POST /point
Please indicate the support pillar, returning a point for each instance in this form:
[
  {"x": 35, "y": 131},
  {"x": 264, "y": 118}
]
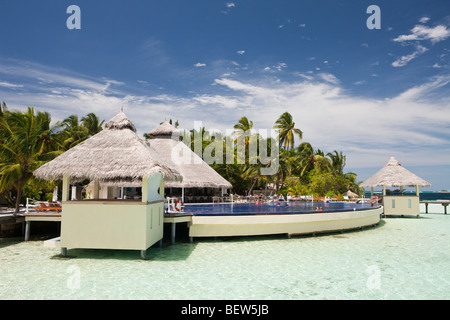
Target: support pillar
[
  {"x": 55, "y": 194},
  {"x": 64, "y": 252},
  {"x": 172, "y": 237},
  {"x": 161, "y": 188},
  {"x": 96, "y": 189},
  {"x": 182, "y": 194},
  {"x": 65, "y": 188},
  {"x": 144, "y": 254},
  {"x": 27, "y": 230}
]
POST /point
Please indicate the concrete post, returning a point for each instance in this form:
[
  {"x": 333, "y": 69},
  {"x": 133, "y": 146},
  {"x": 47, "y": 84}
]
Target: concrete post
[{"x": 65, "y": 188}]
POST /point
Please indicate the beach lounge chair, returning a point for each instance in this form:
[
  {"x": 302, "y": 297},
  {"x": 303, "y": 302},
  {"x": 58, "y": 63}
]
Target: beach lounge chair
[{"x": 44, "y": 207}]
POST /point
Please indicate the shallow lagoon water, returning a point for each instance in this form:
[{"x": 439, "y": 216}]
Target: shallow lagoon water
[{"x": 401, "y": 258}]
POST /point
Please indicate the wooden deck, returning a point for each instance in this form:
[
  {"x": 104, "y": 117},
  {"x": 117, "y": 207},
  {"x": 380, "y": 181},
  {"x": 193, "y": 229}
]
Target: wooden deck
[
  {"x": 10, "y": 218},
  {"x": 444, "y": 203},
  {"x": 36, "y": 216},
  {"x": 175, "y": 218}
]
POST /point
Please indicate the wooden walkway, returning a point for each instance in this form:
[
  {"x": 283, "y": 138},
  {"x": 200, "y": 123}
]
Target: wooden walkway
[
  {"x": 34, "y": 216},
  {"x": 444, "y": 203},
  {"x": 175, "y": 218},
  {"x": 10, "y": 218}
]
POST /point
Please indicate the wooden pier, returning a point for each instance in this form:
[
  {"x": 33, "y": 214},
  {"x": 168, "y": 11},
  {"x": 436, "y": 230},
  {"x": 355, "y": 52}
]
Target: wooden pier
[
  {"x": 27, "y": 218},
  {"x": 30, "y": 217},
  {"x": 444, "y": 203},
  {"x": 175, "y": 218}
]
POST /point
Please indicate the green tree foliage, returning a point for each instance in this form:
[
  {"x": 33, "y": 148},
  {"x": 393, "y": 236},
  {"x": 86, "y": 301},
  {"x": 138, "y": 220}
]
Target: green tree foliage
[
  {"x": 287, "y": 131},
  {"x": 28, "y": 140},
  {"x": 302, "y": 170}
]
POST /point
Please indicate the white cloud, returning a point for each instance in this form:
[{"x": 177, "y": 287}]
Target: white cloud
[
  {"x": 44, "y": 75},
  {"x": 278, "y": 67},
  {"x": 231, "y": 5},
  {"x": 10, "y": 85},
  {"x": 199, "y": 64},
  {"x": 241, "y": 52},
  {"x": 328, "y": 77},
  {"x": 421, "y": 32},
  {"x": 424, "y": 19},
  {"x": 404, "y": 60},
  {"x": 367, "y": 130}
]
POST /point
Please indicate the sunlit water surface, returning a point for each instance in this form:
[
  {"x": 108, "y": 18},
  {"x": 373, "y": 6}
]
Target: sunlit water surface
[{"x": 401, "y": 258}]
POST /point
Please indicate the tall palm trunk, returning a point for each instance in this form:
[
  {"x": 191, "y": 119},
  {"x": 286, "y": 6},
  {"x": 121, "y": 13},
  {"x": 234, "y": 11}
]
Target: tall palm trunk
[{"x": 19, "y": 194}]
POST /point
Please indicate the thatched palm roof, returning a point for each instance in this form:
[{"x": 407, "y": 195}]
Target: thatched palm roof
[
  {"x": 350, "y": 193},
  {"x": 164, "y": 130},
  {"x": 196, "y": 172},
  {"x": 114, "y": 154},
  {"x": 394, "y": 175}
]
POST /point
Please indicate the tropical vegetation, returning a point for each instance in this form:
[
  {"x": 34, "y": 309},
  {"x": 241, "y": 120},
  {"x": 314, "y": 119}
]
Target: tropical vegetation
[
  {"x": 28, "y": 139},
  {"x": 302, "y": 169}
]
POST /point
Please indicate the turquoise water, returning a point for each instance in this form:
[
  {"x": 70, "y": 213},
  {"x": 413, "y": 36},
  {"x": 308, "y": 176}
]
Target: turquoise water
[{"x": 402, "y": 258}]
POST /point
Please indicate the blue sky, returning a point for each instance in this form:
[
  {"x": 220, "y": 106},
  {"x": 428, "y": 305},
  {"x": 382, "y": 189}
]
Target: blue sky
[{"x": 370, "y": 93}]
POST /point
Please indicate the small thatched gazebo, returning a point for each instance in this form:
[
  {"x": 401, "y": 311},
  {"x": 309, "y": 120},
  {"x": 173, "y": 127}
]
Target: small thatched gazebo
[
  {"x": 350, "y": 194},
  {"x": 393, "y": 174},
  {"x": 114, "y": 155},
  {"x": 195, "y": 171}
]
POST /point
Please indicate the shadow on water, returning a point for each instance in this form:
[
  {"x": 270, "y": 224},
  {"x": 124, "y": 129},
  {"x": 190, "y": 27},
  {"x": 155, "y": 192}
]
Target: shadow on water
[
  {"x": 5, "y": 242},
  {"x": 168, "y": 252},
  {"x": 181, "y": 250}
]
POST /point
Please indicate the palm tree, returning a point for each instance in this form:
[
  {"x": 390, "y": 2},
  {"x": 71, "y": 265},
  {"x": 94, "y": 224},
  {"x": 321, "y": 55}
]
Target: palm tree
[
  {"x": 321, "y": 162},
  {"x": 287, "y": 131},
  {"x": 92, "y": 123},
  {"x": 23, "y": 148},
  {"x": 242, "y": 128},
  {"x": 3, "y": 108},
  {"x": 72, "y": 132},
  {"x": 306, "y": 157},
  {"x": 337, "y": 162},
  {"x": 176, "y": 124},
  {"x": 242, "y": 132}
]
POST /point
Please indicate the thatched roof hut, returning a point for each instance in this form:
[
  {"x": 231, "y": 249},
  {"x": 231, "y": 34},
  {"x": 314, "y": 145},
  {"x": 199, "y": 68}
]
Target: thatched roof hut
[
  {"x": 164, "y": 131},
  {"x": 112, "y": 155},
  {"x": 196, "y": 172},
  {"x": 350, "y": 194},
  {"x": 394, "y": 175}
]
